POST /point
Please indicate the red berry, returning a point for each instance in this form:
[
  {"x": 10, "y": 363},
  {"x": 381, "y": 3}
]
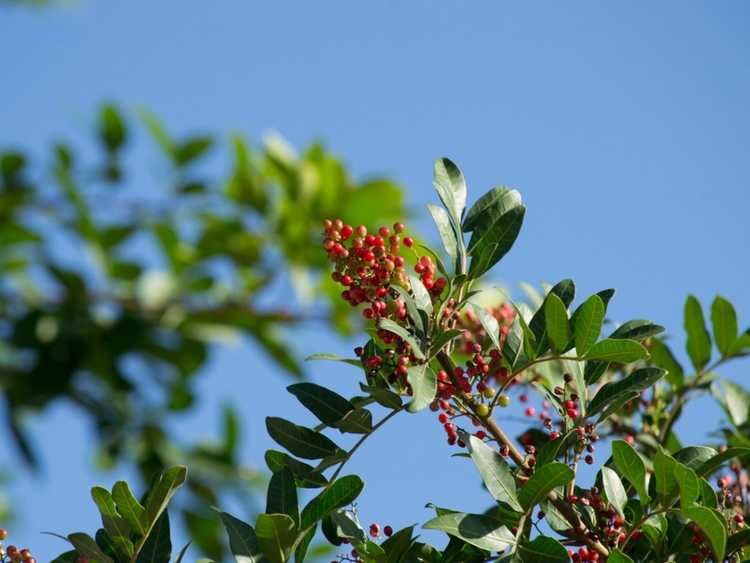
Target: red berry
[
  {"x": 408, "y": 242},
  {"x": 554, "y": 435},
  {"x": 374, "y": 530},
  {"x": 739, "y": 518},
  {"x": 443, "y": 418},
  {"x": 346, "y": 231},
  {"x": 388, "y": 531},
  {"x": 523, "y": 398},
  {"x": 3, "y": 534},
  {"x": 530, "y": 411}
]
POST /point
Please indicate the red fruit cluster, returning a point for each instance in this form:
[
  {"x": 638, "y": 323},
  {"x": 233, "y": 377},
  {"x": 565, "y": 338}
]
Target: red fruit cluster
[{"x": 13, "y": 554}]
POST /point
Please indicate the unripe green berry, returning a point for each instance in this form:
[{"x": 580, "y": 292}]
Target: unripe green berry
[
  {"x": 489, "y": 392},
  {"x": 503, "y": 401},
  {"x": 482, "y": 410}
]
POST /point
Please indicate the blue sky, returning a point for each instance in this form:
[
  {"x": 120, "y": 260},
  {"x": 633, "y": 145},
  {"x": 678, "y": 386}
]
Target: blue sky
[{"x": 625, "y": 126}]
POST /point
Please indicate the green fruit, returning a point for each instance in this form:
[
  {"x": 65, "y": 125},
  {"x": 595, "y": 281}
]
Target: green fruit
[
  {"x": 503, "y": 401},
  {"x": 489, "y": 392},
  {"x": 483, "y": 410}
]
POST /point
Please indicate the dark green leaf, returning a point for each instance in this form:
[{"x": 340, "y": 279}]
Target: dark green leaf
[
  {"x": 305, "y": 474},
  {"x": 112, "y": 130},
  {"x": 636, "y": 382},
  {"x": 724, "y": 321},
  {"x": 496, "y": 241},
  {"x": 342, "y": 492},
  {"x": 281, "y": 496},
  {"x": 637, "y": 330},
  {"x": 492, "y": 204},
  {"x": 300, "y": 441},
  {"x": 620, "y": 351},
  {"x": 158, "y": 546},
  {"x": 708, "y": 467},
  {"x": 129, "y": 507},
  {"x": 546, "y": 478},
  {"x": 661, "y": 356},
  {"x": 358, "y": 421},
  {"x": 114, "y": 524},
  {"x": 542, "y": 550},
  {"x": 689, "y": 485},
  {"x": 617, "y": 556},
  {"x": 328, "y": 406},
  {"x": 242, "y": 540},
  {"x": 698, "y": 340},
  {"x": 162, "y": 491},
  {"x": 85, "y": 545}
]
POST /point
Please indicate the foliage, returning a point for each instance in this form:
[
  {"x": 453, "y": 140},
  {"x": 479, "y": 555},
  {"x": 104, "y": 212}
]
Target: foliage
[
  {"x": 435, "y": 341},
  {"x": 116, "y": 285}
]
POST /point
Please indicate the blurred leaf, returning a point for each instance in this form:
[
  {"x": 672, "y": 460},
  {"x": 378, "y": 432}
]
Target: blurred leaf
[{"x": 112, "y": 132}]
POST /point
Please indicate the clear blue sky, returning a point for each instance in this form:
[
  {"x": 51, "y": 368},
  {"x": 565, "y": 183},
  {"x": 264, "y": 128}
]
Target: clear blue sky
[{"x": 624, "y": 125}]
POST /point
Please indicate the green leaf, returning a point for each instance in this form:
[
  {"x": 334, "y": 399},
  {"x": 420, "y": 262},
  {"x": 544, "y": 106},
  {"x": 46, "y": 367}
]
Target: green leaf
[
  {"x": 713, "y": 527},
  {"x": 496, "y": 241},
  {"x": 542, "y": 550},
  {"x": 242, "y": 540},
  {"x": 114, "y": 524},
  {"x": 275, "y": 534},
  {"x": 447, "y": 233},
  {"x": 158, "y": 546},
  {"x": 85, "y": 545},
  {"x": 630, "y": 465},
  {"x": 398, "y": 544},
  {"x": 405, "y": 335},
  {"x": 181, "y": 554},
  {"x": 546, "y": 478},
  {"x": 736, "y": 541},
  {"x": 358, "y": 421},
  {"x": 328, "y": 406},
  {"x": 333, "y": 358},
  {"x": 617, "y": 556},
  {"x": 422, "y": 298},
  {"x": 451, "y": 188},
  {"x": 614, "y": 489},
  {"x": 411, "y": 308},
  {"x": 587, "y": 323},
  {"x": 112, "y": 132},
  {"x": 661, "y": 356},
  {"x": 300, "y": 441},
  {"x": 481, "y": 531},
  {"x": 638, "y": 329},
  {"x": 305, "y": 475},
  {"x": 689, "y": 484},
  {"x": 423, "y": 382},
  {"x": 281, "y": 497},
  {"x": 129, "y": 507},
  {"x": 724, "y": 321},
  {"x": 636, "y": 382},
  {"x": 615, "y": 350},
  {"x": 342, "y": 492},
  {"x": 566, "y": 291},
  {"x": 494, "y": 203},
  {"x": 734, "y": 399},
  {"x": 489, "y": 323},
  {"x": 664, "y": 475},
  {"x": 556, "y": 318},
  {"x": 495, "y": 472},
  {"x": 698, "y": 340},
  {"x": 708, "y": 467},
  {"x": 694, "y": 456},
  {"x": 162, "y": 491},
  {"x": 384, "y": 397}
]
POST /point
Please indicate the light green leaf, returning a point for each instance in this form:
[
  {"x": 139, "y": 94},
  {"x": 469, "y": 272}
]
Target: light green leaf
[
  {"x": 556, "y": 318},
  {"x": 114, "y": 524},
  {"x": 422, "y": 297},
  {"x": 546, "y": 478},
  {"x": 161, "y": 493},
  {"x": 404, "y": 334},
  {"x": 734, "y": 399},
  {"x": 129, "y": 507},
  {"x": 446, "y": 230},
  {"x": 450, "y": 186},
  {"x": 423, "y": 382},
  {"x": 85, "y": 545},
  {"x": 333, "y": 358},
  {"x": 631, "y": 467},
  {"x": 689, "y": 484},
  {"x": 661, "y": 356},
  {"x": 708, "y": 467},
  {"x": 494, "y": 203},
  {"x": 617, "y": 556},
  {"x": 664, "y": 474},
  {"x": 481, "y": 531},
  {"x": 489, "y": 323},
  {"x": 698, "y": 340},
  {"x": 275, "y": 534},
  {"x": 614, "y": 489},
  {"x": 495, "y": 472},
  {"x": 615, "y": 350},
  {"x": 587, "y": 323},
  {"x": 724, "y": 321}
]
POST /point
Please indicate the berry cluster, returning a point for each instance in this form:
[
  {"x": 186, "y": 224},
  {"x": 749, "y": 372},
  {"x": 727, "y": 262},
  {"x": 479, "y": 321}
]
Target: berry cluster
[{"x": 13, "y": 554}]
